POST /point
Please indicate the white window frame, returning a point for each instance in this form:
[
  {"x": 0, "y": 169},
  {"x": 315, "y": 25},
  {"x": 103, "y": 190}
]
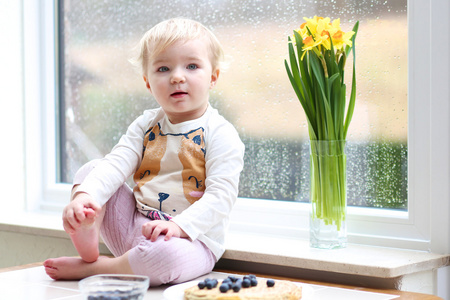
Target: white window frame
[
  {"x": 424, "y": 227},
  {"x": 40, "y": 46}
]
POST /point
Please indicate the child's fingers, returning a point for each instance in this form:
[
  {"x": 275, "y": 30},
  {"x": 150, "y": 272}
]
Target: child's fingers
[
  {"x": 79, "y": 215},
  {"x": 90, "y": 216},
  {"x": 157, "y": 230},
  {"x": 87, "y": 201},
  {"x": 76, "y": 215},
  {"x": 69, "y": 223},
  {"x": 89, "y": 212},
  {"x": 169, "y": 235},
  {"x": 68, "y": 228},
  {"x": 147, "y": 230},
  {"x": 151, "y": 230},
  {"x": 95, "y": 207},
  {"x": 69, "y": 218}
]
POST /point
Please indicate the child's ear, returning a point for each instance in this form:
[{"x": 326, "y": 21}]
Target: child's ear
[
  {"x": 147, "y": 84},
  {"x": 214, "y": 77}
]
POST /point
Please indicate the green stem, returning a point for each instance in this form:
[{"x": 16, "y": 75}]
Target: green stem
[{"x": 328, "y": 181}]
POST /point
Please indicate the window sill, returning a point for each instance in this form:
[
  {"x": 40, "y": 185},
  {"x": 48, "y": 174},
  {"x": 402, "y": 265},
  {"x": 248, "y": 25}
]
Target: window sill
[
  {"x": 378, "y": 267},
  {"x": 361, "y": 260}
]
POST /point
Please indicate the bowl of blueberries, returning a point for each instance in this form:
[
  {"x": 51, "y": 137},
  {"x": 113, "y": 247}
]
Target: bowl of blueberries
[{"x": 114, "y": 287}]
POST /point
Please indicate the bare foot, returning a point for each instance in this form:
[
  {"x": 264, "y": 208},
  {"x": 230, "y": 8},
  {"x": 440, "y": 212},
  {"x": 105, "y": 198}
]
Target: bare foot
[
  {"x": 69, "y": 268},
  {"x": 74, "y": 268},
  {"x": 85, "y": 240},
  {"x": 82, "y": 219}
]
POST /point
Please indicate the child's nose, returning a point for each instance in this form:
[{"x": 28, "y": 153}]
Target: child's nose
[{"x": 178, "y": 76}]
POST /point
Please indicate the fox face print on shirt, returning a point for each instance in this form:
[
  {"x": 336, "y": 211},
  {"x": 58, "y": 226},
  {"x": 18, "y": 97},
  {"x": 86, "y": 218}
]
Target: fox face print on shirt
[{"x": 172, "y": 174}]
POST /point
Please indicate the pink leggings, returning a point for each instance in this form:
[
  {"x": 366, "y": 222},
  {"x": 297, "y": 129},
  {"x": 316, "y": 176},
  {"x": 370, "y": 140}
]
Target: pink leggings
[{"x": 173, "y": 261}]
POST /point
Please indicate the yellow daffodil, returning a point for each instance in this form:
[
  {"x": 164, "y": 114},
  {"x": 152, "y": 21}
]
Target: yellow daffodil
[
  {"x": 303, "y": 31},
  {"x": 309, "y": 44},
  {"x": 340, "y": 39},
  {"x": 311, "y": 24},
  {"x": 318, "y": 32}
]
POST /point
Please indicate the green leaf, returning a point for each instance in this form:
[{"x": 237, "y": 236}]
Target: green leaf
[
  {"x": 323, "y": 100},
  {"x": 303, "y": 63},
  {"x": 309, "y": 114},
  {"x": 336, "y": 100},
  {"x": 333, "y": 66},
  {"x": 294, "y": 64},
  {"x": 294, "y": 84},
  {"x": 333, "y": 78},
  {"x": 351, "y": 104},
  {"x": 355, "y": 30},
  {"x": 341, "y": 112}
]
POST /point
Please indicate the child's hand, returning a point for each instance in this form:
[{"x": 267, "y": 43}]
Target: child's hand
[
  {"x": 81, "y": 211},
  {"x": 151, "y": 230}
]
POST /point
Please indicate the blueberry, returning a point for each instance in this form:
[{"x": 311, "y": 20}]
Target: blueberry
[
  {"x": 246, "y": 283},
  {"x": 230, "y": 284},
  {"x": 236, "y": 287},
  {"x": 254, "y": 282},
  {"x": 270, "y": 282},
  {"x": 211, "y": 283},
  {"x": 215, "y": 282},
  {"x": 224, "y": 288},
  {"x": 201, "y": 285}
]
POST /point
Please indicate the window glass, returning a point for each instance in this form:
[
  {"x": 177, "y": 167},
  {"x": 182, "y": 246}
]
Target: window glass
[{"x": 101, "y": 93}]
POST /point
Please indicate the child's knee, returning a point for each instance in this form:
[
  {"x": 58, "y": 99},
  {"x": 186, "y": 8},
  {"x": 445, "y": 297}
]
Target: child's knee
[{"x": 160, "y": 261}]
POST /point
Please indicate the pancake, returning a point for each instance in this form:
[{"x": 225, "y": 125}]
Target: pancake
[{"x": 281, "y": 290}]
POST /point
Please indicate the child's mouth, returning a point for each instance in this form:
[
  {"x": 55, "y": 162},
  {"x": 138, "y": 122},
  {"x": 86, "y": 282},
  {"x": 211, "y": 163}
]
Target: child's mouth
[{"x": 178, "y": 94}]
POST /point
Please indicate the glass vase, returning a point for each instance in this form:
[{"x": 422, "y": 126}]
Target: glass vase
[{"x": 328, "y": 192}]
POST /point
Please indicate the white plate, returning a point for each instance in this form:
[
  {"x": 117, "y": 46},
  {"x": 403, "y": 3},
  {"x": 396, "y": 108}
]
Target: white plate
[{"x": 176, "y": 292}]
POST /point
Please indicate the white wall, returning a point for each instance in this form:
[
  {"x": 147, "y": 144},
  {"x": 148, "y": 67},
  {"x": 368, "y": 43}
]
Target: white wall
[
  {"x": 21, "y": 248},
  {"x": 11, "y": 99},
  {"x": 23, "y": 245}
]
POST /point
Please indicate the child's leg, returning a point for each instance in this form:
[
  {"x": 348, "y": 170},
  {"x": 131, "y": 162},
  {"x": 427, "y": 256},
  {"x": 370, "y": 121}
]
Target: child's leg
[
  {"x": 176, "y": 260},
  {"x": 85, "y": 239},
  {"x": 120, "y": 206},
  {"x": 73, "y": 268},
  {"x": 173, "y": 261}
]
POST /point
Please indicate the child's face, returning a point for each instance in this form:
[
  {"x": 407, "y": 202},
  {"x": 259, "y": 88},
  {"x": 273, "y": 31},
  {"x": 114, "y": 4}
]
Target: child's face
[{"x": 180, "y": 78}]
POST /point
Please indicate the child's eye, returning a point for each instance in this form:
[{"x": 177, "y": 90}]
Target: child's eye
[
  {"x": 163, "y": 69},
  {"x": 192, "y": 67}
]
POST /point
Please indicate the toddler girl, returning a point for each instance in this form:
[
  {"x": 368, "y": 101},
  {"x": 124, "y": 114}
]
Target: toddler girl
[{"x": 186, "y": 160}]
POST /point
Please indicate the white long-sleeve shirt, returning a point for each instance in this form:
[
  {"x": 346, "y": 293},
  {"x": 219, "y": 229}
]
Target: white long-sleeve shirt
[{"x": 189, "y": 171}]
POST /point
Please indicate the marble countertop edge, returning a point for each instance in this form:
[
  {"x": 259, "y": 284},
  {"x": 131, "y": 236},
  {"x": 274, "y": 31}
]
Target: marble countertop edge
[{"x": 355, "y": 259}]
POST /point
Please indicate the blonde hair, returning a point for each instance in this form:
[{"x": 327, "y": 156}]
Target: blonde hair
[{"x": 168, "y": 32}]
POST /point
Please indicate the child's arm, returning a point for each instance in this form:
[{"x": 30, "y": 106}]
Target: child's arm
[
  {"x": 81, "y": 211},
  {"x": 116, "y": 167},
  {"x": 224, "y": 163}
]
